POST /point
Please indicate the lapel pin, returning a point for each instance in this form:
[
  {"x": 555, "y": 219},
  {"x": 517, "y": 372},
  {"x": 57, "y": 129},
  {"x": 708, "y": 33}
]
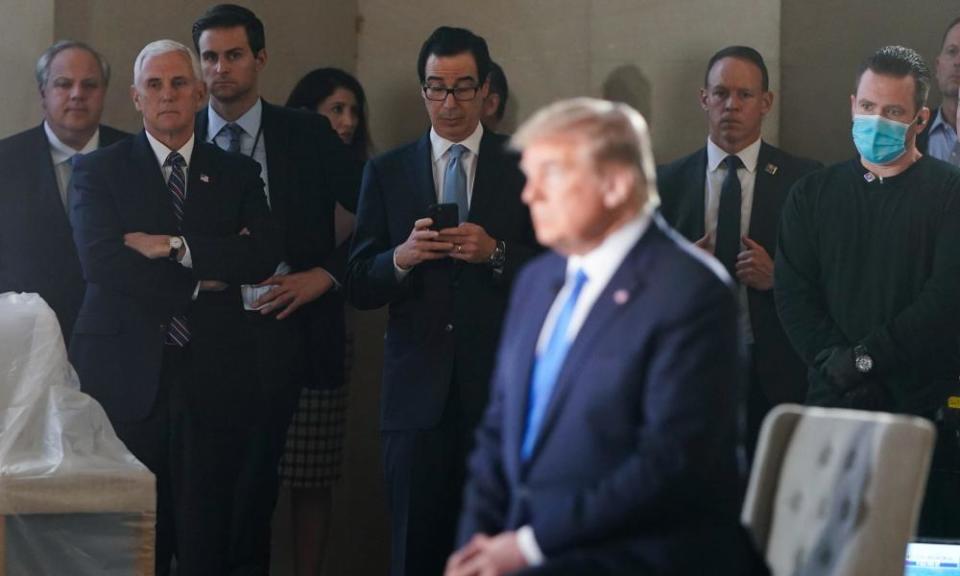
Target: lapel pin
[
  {"x": 205, "y": 178},
  {"x": 771, "y": 169},
  {"x": 869, "y": 177},
  {"x": 621, "y": 296}
]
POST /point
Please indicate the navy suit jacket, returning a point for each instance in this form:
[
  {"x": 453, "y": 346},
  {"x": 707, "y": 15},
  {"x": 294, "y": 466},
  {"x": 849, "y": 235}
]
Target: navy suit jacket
[
  {"x": 309, "y": 171},
  {"x": 118, "y": 340},
  {"x": 37, "y": 253},
  {"x": 635, "y": 457},
  {"x": 445, "y": 316},
  {"x": 682, "y": 185}
]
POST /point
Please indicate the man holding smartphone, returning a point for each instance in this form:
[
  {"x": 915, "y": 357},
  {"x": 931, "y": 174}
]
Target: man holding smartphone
[{"x": 446, "y": 288}]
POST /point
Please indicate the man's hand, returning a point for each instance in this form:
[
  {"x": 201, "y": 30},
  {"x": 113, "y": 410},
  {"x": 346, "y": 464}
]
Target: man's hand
[
  {"x": 705, "y": 243},
  {"x": 212, "y": 286},
  {"x": 422, "y": 245},
  {"x": 291, "y": 291},
  {"x": 471, "y": 243},
  {"x": 487, "y": 556},
  {"x": 754, "y": 266},
  {"x": 153, "y": 246}
]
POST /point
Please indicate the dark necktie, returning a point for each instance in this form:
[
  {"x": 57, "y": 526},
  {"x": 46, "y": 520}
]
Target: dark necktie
[
  {"x": 177, "y": 332},
  {"x": 236, "y": 133},
  {"x": 547, "y": 366},
  {"x": 455, "y": 181},
  {"x": 728, "y": 218}
]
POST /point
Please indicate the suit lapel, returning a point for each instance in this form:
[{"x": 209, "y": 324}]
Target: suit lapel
[
  {"x": 201, "y": 175},
  {"x": 422, "y": 175},
  {"x": 278, "y": 151},
  {"x": 156, "y": 195},
  {"x": 763, "y": 214},
  {"x": 47, "y": 191},
  {"x": 626, "y": 283},
  {"x": 698, "y": 183},
  {"x": 484, "y": 178}
]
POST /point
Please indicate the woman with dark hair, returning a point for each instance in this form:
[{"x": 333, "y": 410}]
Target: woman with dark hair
[{"x": 312, "y": 462}]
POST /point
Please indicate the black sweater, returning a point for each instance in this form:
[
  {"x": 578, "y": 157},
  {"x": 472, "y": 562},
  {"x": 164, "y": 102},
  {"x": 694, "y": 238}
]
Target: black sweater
[{"x": 871, "y": 261}]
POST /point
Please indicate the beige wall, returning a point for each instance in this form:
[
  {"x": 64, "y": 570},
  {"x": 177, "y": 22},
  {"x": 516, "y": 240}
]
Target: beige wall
[
  {"x": 300, "y": 36},
  {"x": 650, "y": 53},
  {"x": 26, "y": 30},
  {"x": 823, "y": 44}
]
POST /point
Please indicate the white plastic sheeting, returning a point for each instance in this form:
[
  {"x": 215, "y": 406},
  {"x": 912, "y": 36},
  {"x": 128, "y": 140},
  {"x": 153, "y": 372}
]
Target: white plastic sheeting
[{"x": 73, "y": 500}]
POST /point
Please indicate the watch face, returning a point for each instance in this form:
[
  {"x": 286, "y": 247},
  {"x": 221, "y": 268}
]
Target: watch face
[
  {"x": 864, "y": 363},
  {"x": 176, "y": 243}
]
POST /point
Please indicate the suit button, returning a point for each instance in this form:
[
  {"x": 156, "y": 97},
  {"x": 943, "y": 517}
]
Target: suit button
[{"x": 448, "y": 328}]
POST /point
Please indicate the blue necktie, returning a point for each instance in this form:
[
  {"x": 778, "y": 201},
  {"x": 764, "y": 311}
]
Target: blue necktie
[
  {"x": 177, "y": 332},
  {"x": 547, "y": 367},
  {"x": 455, "y": 181}
]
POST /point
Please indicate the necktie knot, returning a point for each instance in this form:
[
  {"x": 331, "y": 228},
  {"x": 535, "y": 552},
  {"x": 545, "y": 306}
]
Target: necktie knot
[
  {"x": 456, "y": 151},
  {"x": 176, "y": 160},
  {"x": 733, "y": 162}
]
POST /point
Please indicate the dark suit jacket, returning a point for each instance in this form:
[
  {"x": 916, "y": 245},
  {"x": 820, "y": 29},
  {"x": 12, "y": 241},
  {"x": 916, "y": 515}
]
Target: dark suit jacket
[
  {"x": 635, "y": 457},
  {"x": 923, "y": 137},
  {"x": 119, "y": 334},
  {"x": 309, "y": 170},
  {"x": 781, "y": 373},
  {"x": 444, "y": 317},
  {"x": 36, "y": 245}
]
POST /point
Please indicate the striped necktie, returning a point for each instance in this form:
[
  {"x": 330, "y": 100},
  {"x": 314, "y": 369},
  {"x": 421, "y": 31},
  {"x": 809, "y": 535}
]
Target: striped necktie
[{"x": 177, "y": 332}]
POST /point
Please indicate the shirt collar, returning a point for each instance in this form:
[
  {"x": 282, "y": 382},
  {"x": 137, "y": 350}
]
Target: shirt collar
[
  {"x": 600, "y": 263},
  {"x": 939, "y": 123},
  {"x": 249, "y": 121},
  {"x": 61, "y": 152},
  {"x": 440, "y": 145},
  {"x": 161, "y": 151},
  {"x": 749, "y": 155}
]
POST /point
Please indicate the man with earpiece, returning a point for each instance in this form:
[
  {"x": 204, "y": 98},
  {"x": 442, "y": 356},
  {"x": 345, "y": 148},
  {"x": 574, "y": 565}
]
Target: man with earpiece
[{"x": 867, "y": 272}]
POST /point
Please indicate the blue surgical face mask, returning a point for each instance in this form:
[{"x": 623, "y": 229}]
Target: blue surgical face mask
[{"x": 879, "y": 140}]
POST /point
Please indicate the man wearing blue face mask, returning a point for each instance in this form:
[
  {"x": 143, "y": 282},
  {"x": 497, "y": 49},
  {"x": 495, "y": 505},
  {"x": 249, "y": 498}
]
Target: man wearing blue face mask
[{"x": 867, "y": 274}]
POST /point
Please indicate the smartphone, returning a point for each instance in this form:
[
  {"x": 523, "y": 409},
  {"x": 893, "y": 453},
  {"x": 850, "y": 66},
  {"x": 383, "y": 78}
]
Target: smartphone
[{"x": 443, "y": 215}]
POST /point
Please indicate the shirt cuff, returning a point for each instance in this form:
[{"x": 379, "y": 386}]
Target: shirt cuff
[
  {"x": 528, "y": 546},
  {"x": 400, "y": 273},
  {"x": 196, "y": 291},
  {"x": 336, "y": 283},
  {"x": 187, "y": 260}
]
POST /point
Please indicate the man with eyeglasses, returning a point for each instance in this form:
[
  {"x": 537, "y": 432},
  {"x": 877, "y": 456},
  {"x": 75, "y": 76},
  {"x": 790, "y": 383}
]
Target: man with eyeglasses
[{"x": 446, "y": 291}]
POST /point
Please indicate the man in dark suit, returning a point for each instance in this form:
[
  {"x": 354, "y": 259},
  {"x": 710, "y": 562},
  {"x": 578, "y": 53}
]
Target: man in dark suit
[
  {"x": 939, "y": 136},
  {"x": 167, "y": 228},
  {"x": 608, "y": 445},
  {"x": 36, "y": 246},
  {"x": 447, "y": 291},
  {"x": 740, "y": 228},
  {"x": 306, "y": 170}
]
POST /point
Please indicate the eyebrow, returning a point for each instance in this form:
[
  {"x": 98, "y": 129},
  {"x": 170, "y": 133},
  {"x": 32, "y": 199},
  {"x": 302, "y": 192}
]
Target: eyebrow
[{"x": 460, "y": 79}]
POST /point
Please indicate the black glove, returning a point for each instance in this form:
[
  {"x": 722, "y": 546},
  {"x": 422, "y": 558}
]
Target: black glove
[{"x": 838, "y": 368}]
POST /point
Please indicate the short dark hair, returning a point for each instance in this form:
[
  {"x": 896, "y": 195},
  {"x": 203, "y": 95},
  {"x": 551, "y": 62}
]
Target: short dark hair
[
  {"x": 953, "y": 23},
  {"x": 448, "y": 41},
  {"x": 741, "y": 53},
  {"x": 229, "y": 16},
  {"x": 899, "y": 61},
  {"x": 499, "y": 86},
  {"x": 318, "y": 85}
]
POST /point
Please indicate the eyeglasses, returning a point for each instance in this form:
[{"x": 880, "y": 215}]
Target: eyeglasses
[{"x": 439, "y": 93}]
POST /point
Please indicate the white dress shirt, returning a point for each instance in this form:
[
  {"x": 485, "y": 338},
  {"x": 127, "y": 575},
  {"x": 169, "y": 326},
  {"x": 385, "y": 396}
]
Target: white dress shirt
[
  {"x": 716, "y": 173},
  {"x": 62, "y": 156},
  {"x": 600, "y": 264}
]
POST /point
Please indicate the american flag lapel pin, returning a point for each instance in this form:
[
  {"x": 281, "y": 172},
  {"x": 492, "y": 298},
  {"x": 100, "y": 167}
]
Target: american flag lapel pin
[
  {"x": 771, "y": 169},
  {"x": 621, "y": 296},
  {"x": 204, "y": 178}
]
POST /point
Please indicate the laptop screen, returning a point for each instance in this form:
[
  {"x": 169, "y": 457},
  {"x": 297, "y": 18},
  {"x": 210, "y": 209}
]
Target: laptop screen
[{"x": 933, "y": 559}]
